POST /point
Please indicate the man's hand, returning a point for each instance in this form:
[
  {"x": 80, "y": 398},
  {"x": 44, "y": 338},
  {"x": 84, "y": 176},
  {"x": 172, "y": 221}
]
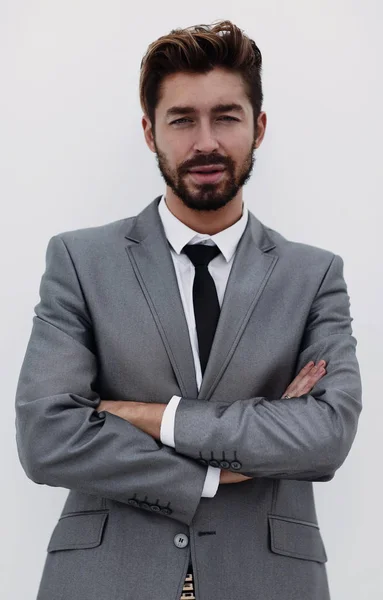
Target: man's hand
[
  {"x": 306, "y": 379},
  {"x": 230, "y": 477}
]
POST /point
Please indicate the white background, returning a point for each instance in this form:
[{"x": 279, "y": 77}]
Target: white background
[{"x": 72, "y": 154}]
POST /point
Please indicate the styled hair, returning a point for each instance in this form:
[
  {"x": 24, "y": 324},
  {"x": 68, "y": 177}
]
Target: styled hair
[{"x": 199, "y": 49}]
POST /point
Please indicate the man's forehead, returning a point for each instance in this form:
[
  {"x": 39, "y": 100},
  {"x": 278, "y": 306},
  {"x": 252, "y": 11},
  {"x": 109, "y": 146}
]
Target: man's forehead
[
  {"x": 217, "y": 80},
  {"x": 201, "y": 95},
  {"x": 213, "y": 80}
]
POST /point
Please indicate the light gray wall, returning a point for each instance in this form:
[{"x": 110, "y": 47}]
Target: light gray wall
[{"x": 72, "y": 154}]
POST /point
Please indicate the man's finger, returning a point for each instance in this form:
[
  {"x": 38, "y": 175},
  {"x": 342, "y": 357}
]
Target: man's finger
[
  {"x": 308, "y": 367},
  {"x": 305, "y": 370}
]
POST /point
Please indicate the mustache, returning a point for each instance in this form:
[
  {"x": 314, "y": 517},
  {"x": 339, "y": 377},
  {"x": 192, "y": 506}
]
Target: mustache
[{"x": 204, "y": 162}]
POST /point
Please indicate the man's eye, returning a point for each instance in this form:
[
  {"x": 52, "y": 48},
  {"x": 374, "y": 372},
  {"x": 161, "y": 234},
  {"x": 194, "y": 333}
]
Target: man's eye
[{"x": 178, "y": 121}]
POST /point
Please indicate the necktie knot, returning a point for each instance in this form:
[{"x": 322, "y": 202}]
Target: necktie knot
[{"x": 201, "y": 254}]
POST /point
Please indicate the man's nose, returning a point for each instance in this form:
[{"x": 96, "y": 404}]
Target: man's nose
[{"x": 205, "y": 139}]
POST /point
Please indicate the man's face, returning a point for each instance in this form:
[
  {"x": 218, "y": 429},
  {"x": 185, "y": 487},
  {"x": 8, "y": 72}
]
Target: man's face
[{"x": 201, "y": 135}]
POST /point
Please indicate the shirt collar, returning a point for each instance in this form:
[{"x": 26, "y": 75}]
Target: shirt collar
[{"x": 179, "y": 234}]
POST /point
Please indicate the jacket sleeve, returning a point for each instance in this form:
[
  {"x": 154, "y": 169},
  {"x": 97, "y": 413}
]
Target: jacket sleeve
[
  {"x": 306, "y": 437},
  {"x": 167, "y": 437},
  {"x": 62, "y": 441}
]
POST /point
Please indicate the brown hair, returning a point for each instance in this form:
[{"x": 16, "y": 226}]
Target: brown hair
[{"x": 199, "y": 49}]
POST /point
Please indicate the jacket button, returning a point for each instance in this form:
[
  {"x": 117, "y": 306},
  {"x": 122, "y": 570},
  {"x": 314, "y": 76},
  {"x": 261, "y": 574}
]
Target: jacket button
[
  {"x": 155, "y": 508},
  {"x": 102, "y": 414},
  {"x": 132, "y": 502},
  {"x": 224, "y": 464},
  {"x": 214, "y": 463},
  {"x": 144, "y": 505},
  {"x": 236, "y": 464},
  {"x": 166, "y": 511},
  {"x": 181, "y": 540},
  {"x": 203, "y": 461}
]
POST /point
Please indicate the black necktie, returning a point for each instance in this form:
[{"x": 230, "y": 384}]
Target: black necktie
[{"x": 205, "y": 299}]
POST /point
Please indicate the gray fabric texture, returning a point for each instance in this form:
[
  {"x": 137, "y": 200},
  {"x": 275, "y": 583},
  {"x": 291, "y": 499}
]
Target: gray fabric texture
[{"x": 110, "y": 325}]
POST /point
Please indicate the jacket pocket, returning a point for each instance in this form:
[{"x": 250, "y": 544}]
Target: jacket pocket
[
  {"x": 299, "y": 539},
  {"x": 78, "y": 530}
]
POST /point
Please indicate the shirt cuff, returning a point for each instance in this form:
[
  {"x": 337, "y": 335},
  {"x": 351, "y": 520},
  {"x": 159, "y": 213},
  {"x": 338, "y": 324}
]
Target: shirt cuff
[
  {"x": 211, "y": 482},
  {"x": 167, "y": 437},
  {"x": 167, "y": 422}
]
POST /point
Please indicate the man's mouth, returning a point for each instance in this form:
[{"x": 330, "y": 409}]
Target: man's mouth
[
  {"x": 207, "y": 168},
  {"x": 207, "y": 174}
]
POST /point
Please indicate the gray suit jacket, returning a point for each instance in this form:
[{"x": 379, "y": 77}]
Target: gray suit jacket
[{"x": 110, "y": 325}]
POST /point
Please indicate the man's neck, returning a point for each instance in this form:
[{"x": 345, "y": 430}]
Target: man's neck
[{"x": 207, "y": 221}]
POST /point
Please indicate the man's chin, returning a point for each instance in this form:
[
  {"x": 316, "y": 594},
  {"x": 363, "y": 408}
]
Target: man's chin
[{"x": 207, "y": 201}]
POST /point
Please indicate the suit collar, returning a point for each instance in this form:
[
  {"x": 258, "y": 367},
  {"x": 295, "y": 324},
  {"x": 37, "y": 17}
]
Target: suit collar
[
  {"x": 179, "y": 234},
  {"x": 149, "y": 218}
]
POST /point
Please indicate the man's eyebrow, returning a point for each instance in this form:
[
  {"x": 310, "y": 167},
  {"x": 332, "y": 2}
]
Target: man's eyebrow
[{"x": 184, "y": 110}]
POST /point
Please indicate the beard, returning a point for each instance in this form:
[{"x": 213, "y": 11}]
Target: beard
[{"x": 207, "y": 196}]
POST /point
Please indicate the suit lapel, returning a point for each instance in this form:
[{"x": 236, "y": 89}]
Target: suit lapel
[
  {"x": 151, "y": 260},
  {"x": 251, "y": 269}
]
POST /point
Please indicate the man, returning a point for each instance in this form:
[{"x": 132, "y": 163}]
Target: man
[{"x": 155, "y": 385}]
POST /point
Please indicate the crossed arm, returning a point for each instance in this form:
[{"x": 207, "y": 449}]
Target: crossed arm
[
  {"x": 63, "y": 441},
  {"x": 148, "y": 416}
]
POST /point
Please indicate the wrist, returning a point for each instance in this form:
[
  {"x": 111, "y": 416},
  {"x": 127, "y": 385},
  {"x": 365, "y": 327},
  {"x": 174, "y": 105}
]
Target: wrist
[{"x": 147, "y": 416}]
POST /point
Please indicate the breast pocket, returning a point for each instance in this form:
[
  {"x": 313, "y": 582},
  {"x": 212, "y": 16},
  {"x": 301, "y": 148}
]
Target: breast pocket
[
  {"x": 78, "y": 530},
  {"x": 299, "y": 539}
]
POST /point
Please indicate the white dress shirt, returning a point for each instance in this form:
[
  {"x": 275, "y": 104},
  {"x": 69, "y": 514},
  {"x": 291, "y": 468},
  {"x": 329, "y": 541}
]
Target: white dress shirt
[{"x": 178, "y": 235}]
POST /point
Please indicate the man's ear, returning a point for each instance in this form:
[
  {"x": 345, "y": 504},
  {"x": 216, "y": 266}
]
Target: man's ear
[
  {"x": 148, "y": 132},
  {"x": 261, "y": 128}
]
